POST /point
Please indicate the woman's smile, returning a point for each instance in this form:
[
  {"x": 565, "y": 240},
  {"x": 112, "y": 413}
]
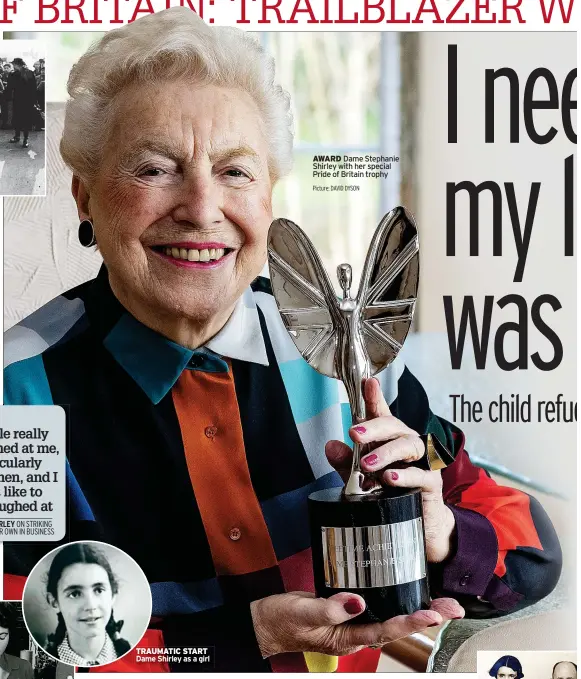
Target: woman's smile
[{"x": 195, "y": 255}]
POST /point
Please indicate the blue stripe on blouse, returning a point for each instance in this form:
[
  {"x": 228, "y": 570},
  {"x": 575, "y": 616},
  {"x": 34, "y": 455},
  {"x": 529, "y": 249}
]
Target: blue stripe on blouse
[
  {"x": 309, "y": 392},
  {"x": 80, "y": 509},
  {"x": 315, "y": 432},
  {"x": 347, "y": 423},
  {"x": 287, "y": 516},
  {"x": 185, "y": 597},
  {"x": 26, "y": 383}
]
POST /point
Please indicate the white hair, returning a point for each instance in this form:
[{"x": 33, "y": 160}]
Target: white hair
[{"x": 170, "y": 45}]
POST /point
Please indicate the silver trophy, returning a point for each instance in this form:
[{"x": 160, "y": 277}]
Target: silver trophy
[{"x": 365, "y": 537}]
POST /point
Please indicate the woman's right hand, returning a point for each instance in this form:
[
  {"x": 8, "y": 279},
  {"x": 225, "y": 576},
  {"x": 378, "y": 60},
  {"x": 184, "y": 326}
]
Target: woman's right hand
[{"x": 298, "y": 621}]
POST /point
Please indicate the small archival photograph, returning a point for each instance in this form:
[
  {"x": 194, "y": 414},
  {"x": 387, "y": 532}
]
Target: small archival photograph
[
  {"x": 20, "y": 657},
  {"x": 527, "y": 665},
  {"x": 87, "y": 603},
  {"x": 22, "y": 115}
]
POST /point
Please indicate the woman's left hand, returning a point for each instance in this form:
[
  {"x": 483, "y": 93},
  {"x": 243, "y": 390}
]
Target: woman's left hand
[{"x": 390, "y": 443}]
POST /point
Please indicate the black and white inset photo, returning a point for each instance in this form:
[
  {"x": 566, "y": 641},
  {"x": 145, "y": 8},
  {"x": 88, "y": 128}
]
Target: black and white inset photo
[
  {"x": 87, "y": 603},
  {"x": 20, "y": 657},
  {"x": 22, "y": 116}
]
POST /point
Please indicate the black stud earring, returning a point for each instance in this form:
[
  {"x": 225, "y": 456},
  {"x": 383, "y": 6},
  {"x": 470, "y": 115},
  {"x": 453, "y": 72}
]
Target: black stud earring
[{"x": 87, "y": 233}]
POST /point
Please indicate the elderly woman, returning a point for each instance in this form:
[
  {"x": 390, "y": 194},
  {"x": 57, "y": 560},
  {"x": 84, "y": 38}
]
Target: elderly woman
[{"x": 196, "y": 430}]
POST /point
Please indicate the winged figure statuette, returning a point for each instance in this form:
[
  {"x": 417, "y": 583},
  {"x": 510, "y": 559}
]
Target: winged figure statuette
[{"x": 355, "y": 337}]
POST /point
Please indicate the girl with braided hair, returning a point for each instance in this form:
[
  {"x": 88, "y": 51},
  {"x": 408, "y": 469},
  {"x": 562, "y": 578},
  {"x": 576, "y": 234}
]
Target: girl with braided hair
[{"x": 82, "y": 588}]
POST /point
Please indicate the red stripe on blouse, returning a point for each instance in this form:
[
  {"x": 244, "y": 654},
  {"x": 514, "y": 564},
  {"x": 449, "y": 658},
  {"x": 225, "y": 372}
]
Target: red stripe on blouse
[{"x": 508, "y": 510}]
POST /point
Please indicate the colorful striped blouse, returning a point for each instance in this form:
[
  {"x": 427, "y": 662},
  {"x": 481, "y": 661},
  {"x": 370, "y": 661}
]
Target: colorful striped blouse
[{"x": 199, "y": 464}]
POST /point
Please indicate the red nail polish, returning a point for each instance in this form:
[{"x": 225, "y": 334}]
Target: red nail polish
[
  {"x": 360, "y": 430},
  {"x": 370, "y": 459},
  {"x": 394, "y": 476},
  {"x": 353, "y": 606},
  {"x": 434, "y": 624}
]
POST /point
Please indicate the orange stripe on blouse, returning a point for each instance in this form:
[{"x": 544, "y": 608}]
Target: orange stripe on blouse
[{"x": 209, "y": 418}]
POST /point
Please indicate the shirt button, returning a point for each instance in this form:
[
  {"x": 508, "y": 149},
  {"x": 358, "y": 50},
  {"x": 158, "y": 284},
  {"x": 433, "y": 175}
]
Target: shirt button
[
  {"x": 196, "y": 361},
  {"x": 464, "y": 581},
  {"x": 211, "y": 431},
  {"x": 235, "y": 534}
]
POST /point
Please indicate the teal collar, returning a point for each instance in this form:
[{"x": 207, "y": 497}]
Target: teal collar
[{"x": 155, "y": 362}]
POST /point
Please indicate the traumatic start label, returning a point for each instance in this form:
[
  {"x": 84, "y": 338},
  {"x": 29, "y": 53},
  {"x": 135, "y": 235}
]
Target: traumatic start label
[{"x": 186, "y": 655}]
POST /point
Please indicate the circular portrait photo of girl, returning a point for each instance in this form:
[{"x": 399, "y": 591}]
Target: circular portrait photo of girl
[{"x": 86, "y": 603}]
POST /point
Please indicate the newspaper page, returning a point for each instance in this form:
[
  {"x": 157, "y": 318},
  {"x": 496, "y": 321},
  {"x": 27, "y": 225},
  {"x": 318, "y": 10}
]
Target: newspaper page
[{"x": 290, "y": 353}]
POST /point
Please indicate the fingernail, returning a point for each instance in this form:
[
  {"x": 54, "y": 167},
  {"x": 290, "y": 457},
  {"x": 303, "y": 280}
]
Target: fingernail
[
  {"x": 353, "y": 606},
  {"x": 434, "y": 624},
  {"x": 370, "y": 459},
  {"x": 394, "y": 476},
  {"x": 360, "y": 430},
  {"x": 458, "y": 617}
]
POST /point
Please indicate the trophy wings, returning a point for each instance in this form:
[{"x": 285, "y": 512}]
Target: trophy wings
[
  {"x": 304, "y": 295},
  {"x": 309, "y": 306},
  {"x": 389, "y": 286}
]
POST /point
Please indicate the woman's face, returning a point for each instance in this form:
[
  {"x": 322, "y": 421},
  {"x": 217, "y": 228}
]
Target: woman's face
[
  {"x": 182, "y": 202},
  {"x": 4, "y": 638},
  {"x": 85, "y": 599},
  {"x": 506, "y": 673}
]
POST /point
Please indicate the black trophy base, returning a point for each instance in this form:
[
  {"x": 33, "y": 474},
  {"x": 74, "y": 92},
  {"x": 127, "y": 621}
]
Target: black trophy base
[{"x": 371, "y": 545}]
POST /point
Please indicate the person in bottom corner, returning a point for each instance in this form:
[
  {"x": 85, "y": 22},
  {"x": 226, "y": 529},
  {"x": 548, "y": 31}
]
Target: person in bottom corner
[
  {"x": 22, "y": 90},
  {"x": 11, "y": 667},
  {"x": 564, "y": 669},
  {"x": 507, "y": 667},
  {"x": 82, "y": 588},
  {"x": 5, "y": 102}
]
